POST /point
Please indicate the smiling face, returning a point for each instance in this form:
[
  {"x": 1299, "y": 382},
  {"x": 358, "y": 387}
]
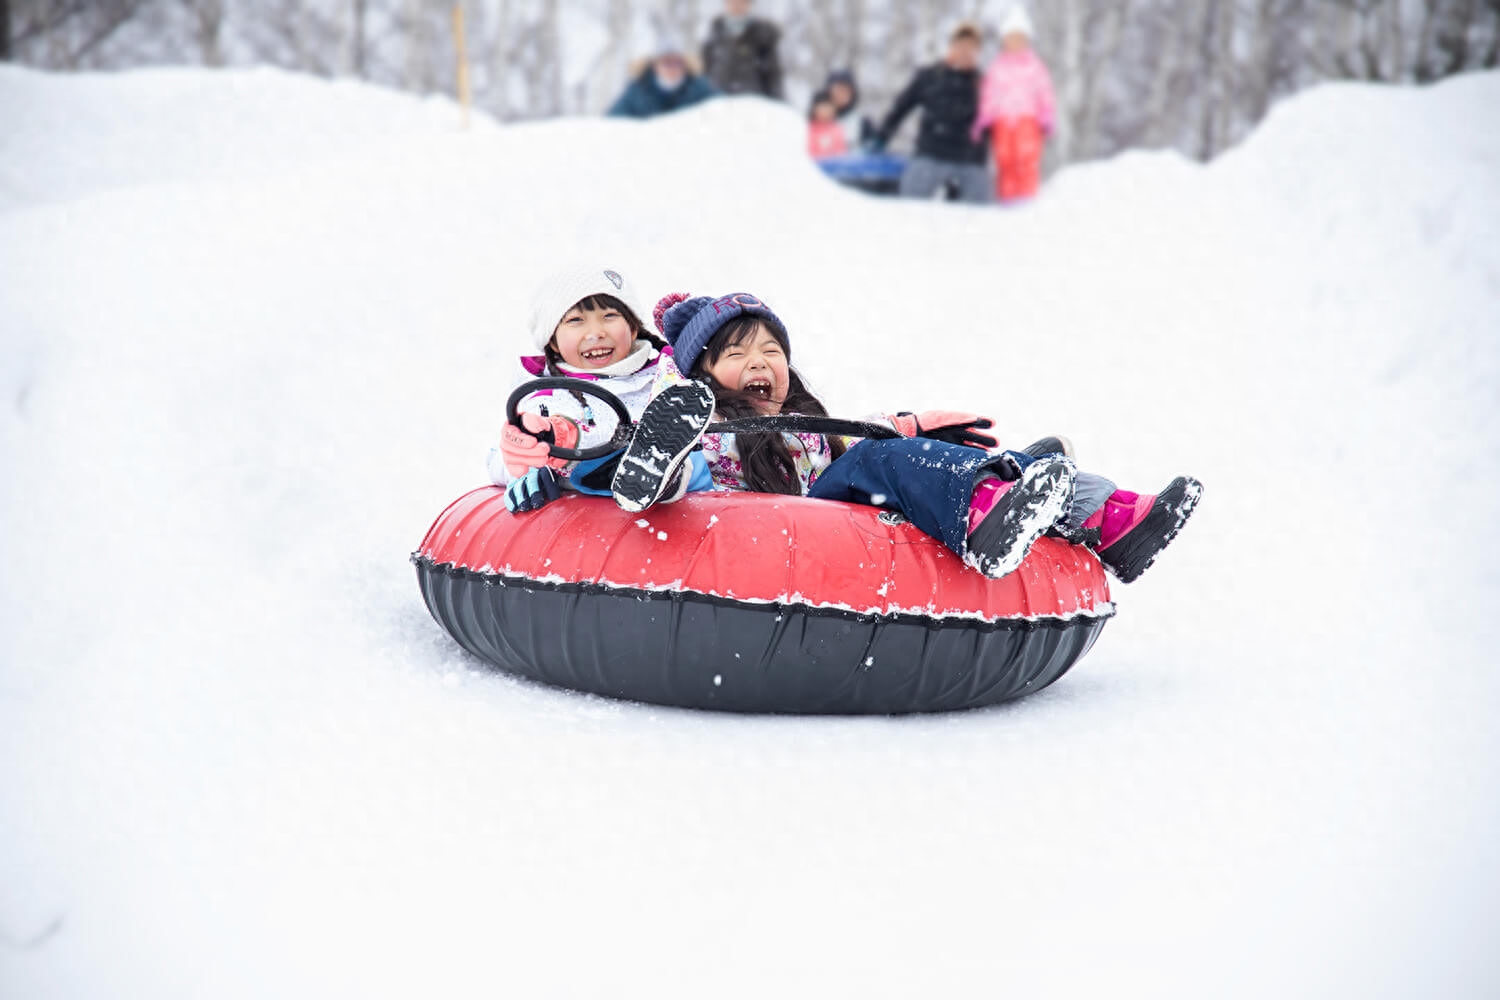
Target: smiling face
[
  {"x": 593, "y": 334},
  {"x": 751, "y": 361}
]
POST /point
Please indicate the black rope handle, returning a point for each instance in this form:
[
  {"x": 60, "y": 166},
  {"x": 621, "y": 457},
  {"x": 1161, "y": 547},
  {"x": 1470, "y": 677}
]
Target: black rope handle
[{"x": 803, "y": 422}]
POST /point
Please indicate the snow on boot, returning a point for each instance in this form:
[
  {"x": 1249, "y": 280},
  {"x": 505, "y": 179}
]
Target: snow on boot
[
  {"x": 1133, "y": 529},
  {"x": 669, "y": 429},
  {"x": 1005, "y": 518},
  {"x": 1053, "y": 445}
]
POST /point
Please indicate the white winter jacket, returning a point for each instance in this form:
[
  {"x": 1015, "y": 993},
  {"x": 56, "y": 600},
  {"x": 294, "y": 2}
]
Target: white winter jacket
[{"x": 595, "y": 419}]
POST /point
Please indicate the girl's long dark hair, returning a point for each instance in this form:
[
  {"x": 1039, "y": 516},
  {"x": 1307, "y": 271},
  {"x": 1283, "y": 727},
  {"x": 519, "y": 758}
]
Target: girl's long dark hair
[
  {"x": 766, "y": 459},
  {"x": 599, "y": 303}
]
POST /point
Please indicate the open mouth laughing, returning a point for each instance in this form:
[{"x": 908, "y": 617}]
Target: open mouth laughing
[{"x": 758, "y": 386}]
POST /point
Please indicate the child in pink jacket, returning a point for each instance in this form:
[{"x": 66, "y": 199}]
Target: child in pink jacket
[
  {"x": 1016, "y": 103},
  {"x": 825, "y": 135}
]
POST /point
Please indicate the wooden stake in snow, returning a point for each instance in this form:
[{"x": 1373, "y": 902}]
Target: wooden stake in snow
[{"x": 460, "y": 50}]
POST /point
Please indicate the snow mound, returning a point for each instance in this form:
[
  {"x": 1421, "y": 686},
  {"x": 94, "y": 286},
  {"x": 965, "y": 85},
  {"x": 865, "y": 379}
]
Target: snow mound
[
  {"x": 256, "y": 331},
  {"x": 236, "y": 124}
]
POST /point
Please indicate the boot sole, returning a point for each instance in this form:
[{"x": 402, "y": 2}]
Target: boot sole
[
  {"x": 666, "y": 434},
  {"x": 1132, "y": 555},
  {"x": 1020, "y": 517}
]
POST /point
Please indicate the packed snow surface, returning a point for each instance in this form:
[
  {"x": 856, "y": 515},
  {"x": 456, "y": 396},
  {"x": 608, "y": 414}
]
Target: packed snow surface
[{"x": 255, "y": 332}]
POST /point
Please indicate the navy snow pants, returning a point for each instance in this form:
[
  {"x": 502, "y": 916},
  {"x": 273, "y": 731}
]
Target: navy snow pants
[{"x": 929, "y": 482}]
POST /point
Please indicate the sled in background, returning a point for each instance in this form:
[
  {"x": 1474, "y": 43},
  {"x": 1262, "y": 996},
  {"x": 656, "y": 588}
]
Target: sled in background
[{"x": 875, "y": 173}]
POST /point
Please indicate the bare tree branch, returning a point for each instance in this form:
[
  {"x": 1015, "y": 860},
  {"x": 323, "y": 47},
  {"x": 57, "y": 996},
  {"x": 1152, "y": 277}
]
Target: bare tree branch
[
  {"x": 53, "y": 16},
  {"x": 123, "y": 12}
]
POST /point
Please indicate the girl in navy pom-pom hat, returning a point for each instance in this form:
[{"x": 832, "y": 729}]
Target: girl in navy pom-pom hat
[{"x": 940, "y": 473}]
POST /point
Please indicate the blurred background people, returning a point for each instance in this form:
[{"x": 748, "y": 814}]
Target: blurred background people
[
  {"x": 947, "y": 154},
  {"x": 740, "y": 55},
  {"x": 844, "y": 93},
  {"x": 1150, "y": 74},
  {"x": 667, "y": 82},
  {"x": 1016, "y": 105},
  {"x": 825, "y": 136}
]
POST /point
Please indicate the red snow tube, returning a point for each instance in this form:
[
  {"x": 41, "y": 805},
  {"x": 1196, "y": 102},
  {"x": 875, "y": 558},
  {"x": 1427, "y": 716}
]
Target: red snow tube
[{"x": 753, "y": 603}]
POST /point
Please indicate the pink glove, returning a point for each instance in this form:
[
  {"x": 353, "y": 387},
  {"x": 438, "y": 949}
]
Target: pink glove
[
  {"x": 946, "y": 425},
  {"x": 522, "y": 450}
]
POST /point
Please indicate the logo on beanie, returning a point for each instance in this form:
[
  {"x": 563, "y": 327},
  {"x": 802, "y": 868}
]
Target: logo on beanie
[
  {"x": 614, "y": 276},
  {"x": 740, "y": 300}
]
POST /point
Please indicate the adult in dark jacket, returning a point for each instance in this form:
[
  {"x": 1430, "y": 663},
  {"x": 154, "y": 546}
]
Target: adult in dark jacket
[
  {"x": 740, "y": 55},
  {"x": 948, "y": 94},
  {"x": 667, "y": 83}
]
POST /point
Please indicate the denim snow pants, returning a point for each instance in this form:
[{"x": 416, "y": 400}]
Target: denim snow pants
[
  {"x": 592, "y": 477},
  {"x": 929, "y": 482}
]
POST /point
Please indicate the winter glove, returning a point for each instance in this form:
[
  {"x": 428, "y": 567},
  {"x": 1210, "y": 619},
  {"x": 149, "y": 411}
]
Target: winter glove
[
  {"x": 946, "y": 425},
  {"x": 532, "y": 491},
  {"x": 1007, "y": 467},
  {"x": 523, "y": 449}
]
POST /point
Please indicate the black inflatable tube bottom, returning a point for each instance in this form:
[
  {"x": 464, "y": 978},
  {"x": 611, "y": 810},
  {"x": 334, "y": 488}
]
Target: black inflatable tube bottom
[{"x": 697, "y": 651}]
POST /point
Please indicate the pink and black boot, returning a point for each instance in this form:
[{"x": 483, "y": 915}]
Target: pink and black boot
[
  {"x": 1133, "y": 528},
  {"x": 1006, "y": 517}
]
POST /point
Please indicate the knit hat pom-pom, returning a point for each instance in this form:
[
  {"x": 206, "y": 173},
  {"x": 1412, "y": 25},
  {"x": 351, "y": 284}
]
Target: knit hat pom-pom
[
  {"x": 667, "y": 302},
  {"x": 679, "y": 315}
]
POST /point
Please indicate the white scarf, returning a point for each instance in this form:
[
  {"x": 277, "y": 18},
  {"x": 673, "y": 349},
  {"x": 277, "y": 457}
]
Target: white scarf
[{"x": 641, "y": 355}]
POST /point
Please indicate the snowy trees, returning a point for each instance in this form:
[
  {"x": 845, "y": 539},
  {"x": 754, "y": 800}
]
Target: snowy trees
[{"x": 1193, "y": 74}]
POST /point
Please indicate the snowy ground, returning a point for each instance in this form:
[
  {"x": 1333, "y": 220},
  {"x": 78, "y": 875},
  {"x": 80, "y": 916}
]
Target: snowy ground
[{"x": 255, "y": 332}]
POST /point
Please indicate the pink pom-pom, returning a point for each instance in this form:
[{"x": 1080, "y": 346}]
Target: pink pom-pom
[{"x": 667, "y": 302}]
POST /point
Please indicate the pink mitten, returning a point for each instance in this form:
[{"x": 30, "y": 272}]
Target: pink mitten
[
  {"x": 522, "y": 450},
  {"x": 946, "y": 425}
]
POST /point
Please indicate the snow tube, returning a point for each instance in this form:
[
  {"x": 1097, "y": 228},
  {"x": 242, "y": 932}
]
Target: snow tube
[
  {"x": 753, "y": 603},
  {"x": 877, "y": 173}
]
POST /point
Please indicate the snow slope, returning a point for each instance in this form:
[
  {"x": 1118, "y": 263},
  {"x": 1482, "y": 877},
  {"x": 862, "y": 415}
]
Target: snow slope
[{"x": 255, "y": 332}]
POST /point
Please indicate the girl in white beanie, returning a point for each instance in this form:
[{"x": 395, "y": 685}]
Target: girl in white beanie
[{"x": 586, "y": 323}]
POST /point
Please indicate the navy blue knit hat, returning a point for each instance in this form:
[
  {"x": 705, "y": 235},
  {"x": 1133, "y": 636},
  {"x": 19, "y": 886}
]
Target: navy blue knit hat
[{"x": 689, "y": 324}]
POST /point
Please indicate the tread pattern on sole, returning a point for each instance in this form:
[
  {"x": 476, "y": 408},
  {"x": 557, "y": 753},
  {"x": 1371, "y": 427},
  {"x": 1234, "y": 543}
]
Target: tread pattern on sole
[
  {"x": 1173, "y": 506},
  {"x": 665, "y": 435},
  {"x": 1034, "y": 504}
]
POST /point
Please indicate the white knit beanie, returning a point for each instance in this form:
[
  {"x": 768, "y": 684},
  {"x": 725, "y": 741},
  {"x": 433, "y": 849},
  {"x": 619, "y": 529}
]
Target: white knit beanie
[
  {"x": 668, "y": 43},
  {"x": 566, "y": 288},
  {"x": 1017, "y": 22}
]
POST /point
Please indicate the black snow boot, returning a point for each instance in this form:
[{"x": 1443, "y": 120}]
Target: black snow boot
[
  {"x": 1140, "y": 539},
  {"x": 654, "y": 464},
  {"x": 1054, "y": 445},
  {"x": 1019, "y": 515}
]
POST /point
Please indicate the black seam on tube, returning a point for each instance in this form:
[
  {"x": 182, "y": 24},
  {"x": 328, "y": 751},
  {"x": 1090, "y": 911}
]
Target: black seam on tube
[{"x": 640, "y": 593}]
